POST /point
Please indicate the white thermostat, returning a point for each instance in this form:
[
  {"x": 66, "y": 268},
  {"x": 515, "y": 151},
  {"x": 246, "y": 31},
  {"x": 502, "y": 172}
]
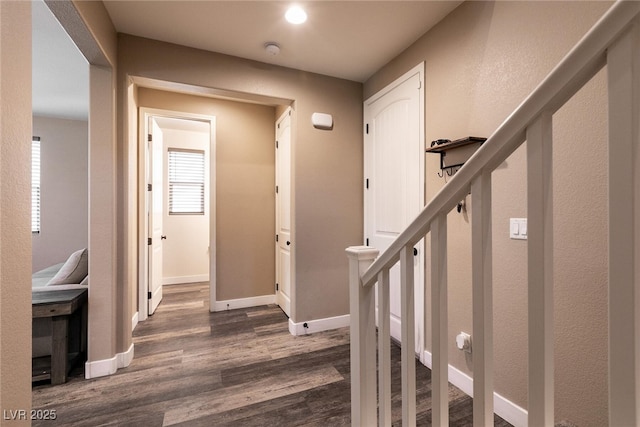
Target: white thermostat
[{"x": 322, "y": 121}]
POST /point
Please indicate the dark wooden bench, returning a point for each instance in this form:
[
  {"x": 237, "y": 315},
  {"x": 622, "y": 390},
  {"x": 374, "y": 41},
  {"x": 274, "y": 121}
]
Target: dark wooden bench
[{"x": 68, "y": 312}]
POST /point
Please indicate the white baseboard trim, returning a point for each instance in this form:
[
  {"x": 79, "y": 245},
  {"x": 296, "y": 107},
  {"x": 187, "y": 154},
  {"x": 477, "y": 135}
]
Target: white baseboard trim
[
  {"x": 124, "y": 359},
  {"x": 106, "y": 367},
  {"x": 101, "y": 368},
  {"x": 134, "y": 320},
  {"x": 179, "y": 280},
  {"x": 231, "y": 304},
  {"x": 509, "y": 411},
  {"x": 318, "y": 325}
]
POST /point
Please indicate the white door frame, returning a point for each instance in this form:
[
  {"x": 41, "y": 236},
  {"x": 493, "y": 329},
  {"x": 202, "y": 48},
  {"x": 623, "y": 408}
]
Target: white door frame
[
  {"x": 143, "y": 120},
  {"x": 420, "y": 273}
]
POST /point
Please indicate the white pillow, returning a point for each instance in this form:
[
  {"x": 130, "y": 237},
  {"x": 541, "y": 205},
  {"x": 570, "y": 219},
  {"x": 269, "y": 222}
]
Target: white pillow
[{"x": 74, "y": 270}]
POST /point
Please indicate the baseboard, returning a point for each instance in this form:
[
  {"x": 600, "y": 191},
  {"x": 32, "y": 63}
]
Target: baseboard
[
  {"x": 318, "y": 325},
  {"x": 134, "y": 320},
  {"x": 106, "y": 367},
  {"x": 509, "y": 411},
  {"x": 231, "y": 304},
  {"x": 125, "y": 358},
  {"x": 179, "y": 280},
  {"x": 101, "y": 368}
]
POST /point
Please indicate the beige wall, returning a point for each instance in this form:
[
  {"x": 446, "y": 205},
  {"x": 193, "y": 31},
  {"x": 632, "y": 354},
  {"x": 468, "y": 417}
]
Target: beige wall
[
  {"x": 64, "y": 178},
  {"x": 15, "y": 207},
  {"x": 245, "y": 180},
  {"x": 327, "y": 166},
  {"x": 481, "y": 62}
]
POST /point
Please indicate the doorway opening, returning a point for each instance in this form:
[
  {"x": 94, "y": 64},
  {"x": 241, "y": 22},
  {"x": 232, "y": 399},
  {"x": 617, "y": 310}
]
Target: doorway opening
[{"x": 176, "y": 202}]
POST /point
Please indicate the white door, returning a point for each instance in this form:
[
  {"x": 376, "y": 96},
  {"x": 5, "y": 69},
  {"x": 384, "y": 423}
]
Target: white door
[
  {"x": 156, "y": 213},
  {"x": 394, "y": 180},
  {"x": 283, "y": 212}
]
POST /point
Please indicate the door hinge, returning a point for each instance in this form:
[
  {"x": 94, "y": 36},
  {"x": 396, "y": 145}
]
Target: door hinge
[
  {"x": 148, "y": 295},
  {"x": 149, "y": 137},
  {"x": 367, "y": 128},
  {"x": 278, "y": 125},
  {"x": 276, "y": 237},
  {"x": 276, "y": 144},
  {"x": 420, "y": 84},
  {"x": 367, "y": 242},
  {"x": 277, "y": 287},
  {"x": 276, "y": 189},
  {"x": 367, "y": 183},
  {"x": 149, "y": 241},
  {"x": 149, "y": 186}
]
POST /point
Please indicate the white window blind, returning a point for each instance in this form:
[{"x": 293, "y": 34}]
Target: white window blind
[
  {"x": 186, "y": 182},
  {"x": 35, "y": 184}
]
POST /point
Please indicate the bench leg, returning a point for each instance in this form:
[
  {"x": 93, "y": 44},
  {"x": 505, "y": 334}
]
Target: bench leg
[{"x": 59, "y": 349}]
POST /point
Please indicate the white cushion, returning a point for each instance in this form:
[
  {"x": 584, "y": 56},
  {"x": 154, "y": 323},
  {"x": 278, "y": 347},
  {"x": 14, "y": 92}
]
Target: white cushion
[{"x": 74, "y": 270}]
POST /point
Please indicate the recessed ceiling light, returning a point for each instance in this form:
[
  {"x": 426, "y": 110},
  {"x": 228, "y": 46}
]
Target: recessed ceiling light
[{"x": 295, "y": 15}]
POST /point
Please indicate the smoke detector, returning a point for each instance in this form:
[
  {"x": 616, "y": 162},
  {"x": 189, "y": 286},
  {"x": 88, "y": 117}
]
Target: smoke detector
[{"x": 272, "y": 48}]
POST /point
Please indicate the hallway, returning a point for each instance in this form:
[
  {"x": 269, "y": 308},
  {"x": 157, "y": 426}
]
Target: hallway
[{"x": 239, "y": 367}]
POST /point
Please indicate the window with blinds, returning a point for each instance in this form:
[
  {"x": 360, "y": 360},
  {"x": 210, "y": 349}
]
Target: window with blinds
[
  {"x": 35, "y": 184},
  {"x": 186, "y": 182}
]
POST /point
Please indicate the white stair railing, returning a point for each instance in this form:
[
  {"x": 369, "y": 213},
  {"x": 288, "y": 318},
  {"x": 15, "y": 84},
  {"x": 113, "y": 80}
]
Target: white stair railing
[{"x": 614, "y": 41}]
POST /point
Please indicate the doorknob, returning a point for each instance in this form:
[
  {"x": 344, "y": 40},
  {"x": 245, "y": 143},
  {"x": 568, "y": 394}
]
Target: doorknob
[
  {"x": 288, "y": 243},
  {"x": 163, "y": 237}
]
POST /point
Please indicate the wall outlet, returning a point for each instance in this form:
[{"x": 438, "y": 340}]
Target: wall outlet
[{"x": 463, "y": 342}]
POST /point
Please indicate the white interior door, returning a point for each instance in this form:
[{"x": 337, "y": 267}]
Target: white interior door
[
  {"x": 156, "y": 212},
  {"x": 283, "y": 212},
  {"x": 394, "y": 177}
]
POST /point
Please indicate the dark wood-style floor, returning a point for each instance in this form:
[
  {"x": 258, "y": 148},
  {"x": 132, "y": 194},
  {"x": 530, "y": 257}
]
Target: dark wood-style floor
[{"x": 239, "y": 367}]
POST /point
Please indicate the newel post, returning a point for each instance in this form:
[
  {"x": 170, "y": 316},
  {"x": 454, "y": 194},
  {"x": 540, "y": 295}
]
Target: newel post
[{"x": 363, "y": 338}]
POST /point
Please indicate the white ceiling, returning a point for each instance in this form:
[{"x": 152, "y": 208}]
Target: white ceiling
[{"x": 345, "y": 39}]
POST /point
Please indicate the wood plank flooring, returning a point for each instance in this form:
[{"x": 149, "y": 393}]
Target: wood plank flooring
[{"x": 232, "y": 368}]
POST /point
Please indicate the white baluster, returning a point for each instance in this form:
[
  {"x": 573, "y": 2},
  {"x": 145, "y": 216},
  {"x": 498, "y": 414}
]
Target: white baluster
[
  {"x": 408, "y": 359},
  {"x": 540, "y": 270},
  {"x": 439, "y": 365},
  {"x": 384, "y": 350},
  {"x": 363, "y": 338},
  {"x": 623, "y": 71},
  {"x": 481, "y": 279}
]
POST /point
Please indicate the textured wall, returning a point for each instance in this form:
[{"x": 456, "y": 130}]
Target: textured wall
[
  {"x": 327, "y": 166},
  {"x": 481, "y": 62},
  {"x": 64, "y": 179},
  {"x": 245, "y": 180},
  {"x": 15, "y": 207}
]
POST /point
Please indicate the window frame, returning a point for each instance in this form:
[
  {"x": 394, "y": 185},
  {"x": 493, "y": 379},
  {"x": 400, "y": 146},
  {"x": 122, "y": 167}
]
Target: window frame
[
  {"x": 36, "y": 187},
  {"x": 185, "y": 182}
]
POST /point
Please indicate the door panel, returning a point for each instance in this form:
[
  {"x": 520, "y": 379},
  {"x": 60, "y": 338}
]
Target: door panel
[
  {"x": 283, "y": 212},
  {"x": 394, "y": 153},
  {"x": 155, "y": 214}
]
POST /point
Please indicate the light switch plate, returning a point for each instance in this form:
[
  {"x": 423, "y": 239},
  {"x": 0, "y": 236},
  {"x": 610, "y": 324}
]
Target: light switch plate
[{"x": 518, "y": 228}]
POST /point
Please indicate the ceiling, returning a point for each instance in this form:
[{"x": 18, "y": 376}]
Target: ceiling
[{"x": 344, "y": 39}]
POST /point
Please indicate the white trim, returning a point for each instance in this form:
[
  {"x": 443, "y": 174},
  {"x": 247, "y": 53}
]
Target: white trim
[
  {"x": 101, "y": 368},
  {"x": 179, "y": 280},
  {"x": 231, "y": 304},
  {"x": 318, "y": 325},
  {"x": 125, "y": 358},
  {"x": 106, "y": 367},
  {"x": 509, "y": 411},
  {"x": 134, "y": 320}
]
